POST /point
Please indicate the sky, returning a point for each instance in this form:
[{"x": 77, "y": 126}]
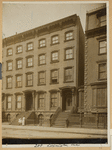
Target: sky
[{"x": 22, "y": 16}]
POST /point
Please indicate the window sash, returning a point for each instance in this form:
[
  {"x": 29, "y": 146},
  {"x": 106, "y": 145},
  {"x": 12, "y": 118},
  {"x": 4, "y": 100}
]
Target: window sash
[
  {"x": 69, "y": 36},
  {"x": 42, "y": 43},
  {"x": 9, "y": 52},
  {"x": 54, "y": 56},
  {"x": 54, "y": 39},
  {"x": 19, "y": 64},
  {"x": 9, "y": 65},
  {"x": 30, "y": 46},
  {"x": 42, "y": 78},
  {"x": 19, "y": 49},
  {"x": 9, "y": 102},
  {"x": 103, "y": 47},
  {"x": 102, "y": 71},
  {"x": 18, "y": 102},
  {"x": 30, "y": 62},
  {"x": 54, "y": 99},
  {"x": 41, "y": 101},
  {"x": 19, "y": 81},
  {"x": 42, "y": 59},
  {"x": 68, "y": 74},
  {"x": 30, "y": 79},
  {"x": 9, "y": 82},
  {"x": 69, "y": 53}
]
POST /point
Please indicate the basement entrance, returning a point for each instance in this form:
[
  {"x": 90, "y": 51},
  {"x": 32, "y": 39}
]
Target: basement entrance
[{"x": 29, "y": 101}]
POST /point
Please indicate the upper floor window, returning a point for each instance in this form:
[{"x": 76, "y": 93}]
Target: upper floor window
[
  {"x": 29, "y": 79},
  {"x": 42, "y": 43},
  {"x": 30, "y": 46},
  {"x": 41, "y": 100},
  {"x": 54, "y": 56},
  {"x": 53, "y": 99},
  {"x": 30, "y": 61},
  {"x": 102, "y": 71},
  {"x": 9, "y": 65},
  {"x": 68, "y": 35},
  {"x": 68, "y": 53},
  {"x": 42, "y": 59},
  {"x": 9, "y": 82},
  {"x": 68, "y": 74},
  {"x": 18, "y": 101},
  {"x": 9, "y": 102},
  {"x": 19, "y": 49},
  {"x": 9, "y": 52},
  {"x": 41, "y": 78},
  {"x": 55, "y": 39},
  {"x": 102, "y": 20},
  {"x": 19, "y": 81},
  {"x": 54, "y": 76},
  {"x": 19, "y": 64},
  {"x": 102, "y": 47}
]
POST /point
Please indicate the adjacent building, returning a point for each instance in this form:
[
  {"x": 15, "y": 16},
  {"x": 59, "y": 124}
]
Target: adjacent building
[
  {"x": 95, "y": 80},
  {"x": 42, "y": 70}
]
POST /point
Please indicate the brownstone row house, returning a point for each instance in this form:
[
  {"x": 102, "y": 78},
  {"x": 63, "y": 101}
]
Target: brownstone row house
[{"x": 43, "y": 73}]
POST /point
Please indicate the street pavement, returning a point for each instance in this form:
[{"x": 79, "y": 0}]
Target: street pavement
[{"x": 37, "y": 132}]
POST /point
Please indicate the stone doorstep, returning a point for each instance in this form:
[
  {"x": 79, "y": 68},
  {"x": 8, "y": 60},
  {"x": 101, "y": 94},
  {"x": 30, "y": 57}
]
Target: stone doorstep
[{"x": 63, "y": 130}]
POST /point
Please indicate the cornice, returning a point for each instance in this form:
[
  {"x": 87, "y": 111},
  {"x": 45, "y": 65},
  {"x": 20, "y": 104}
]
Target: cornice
[
  {"x": 96, "y": 31},
  {"x": 42, "y": 30}
]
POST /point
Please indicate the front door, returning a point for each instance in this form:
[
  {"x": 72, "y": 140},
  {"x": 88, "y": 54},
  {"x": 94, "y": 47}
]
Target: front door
[
  {"x": 29, "y": 101},
  {"x": 68, "y": 101}
]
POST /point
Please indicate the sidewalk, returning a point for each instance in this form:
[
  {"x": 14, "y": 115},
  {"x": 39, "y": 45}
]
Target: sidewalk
[{"x": 51, "y": 132}]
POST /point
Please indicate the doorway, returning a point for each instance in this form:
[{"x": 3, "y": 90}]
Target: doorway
[
  {"x": 29, "y": 101},
  {"x": 66, "y": 100}
]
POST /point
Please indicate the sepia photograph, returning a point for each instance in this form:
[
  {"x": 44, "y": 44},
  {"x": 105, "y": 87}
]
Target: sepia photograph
[{"x": 55, "y": 73}]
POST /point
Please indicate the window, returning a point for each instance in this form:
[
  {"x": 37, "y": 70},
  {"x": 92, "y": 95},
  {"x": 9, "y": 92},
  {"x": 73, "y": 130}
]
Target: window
[
  {"x": 41, "y": 100},
  {"x": 42, "y": 59},
  {"x": 9, "y": 65},
  {"x": 19, "y": 49},
  {"x": 29, "y": 79},
  {"x": 69, "y": 35},
  {"x": 42, "y": 43},
  {"x": 99, "y": 96},
  {"x": 102, "y": 47},
  {"x": 19, "y": 64},
  {"x": 42, "y": 78},
  {"x": 30, "y": 46},
  {"x": 19, "y": 81},
  {"x": 9, "y": 52},
  {"x": 103, "y": 71},
  {"x": 54, "y": 56},
  {"x": 29, "y": 61},
  {"x": 9, "y": 82},
  {"x": 54, "y": 76},
  {"x": 102, "y": 20},
  {"x": 53, "y": 99},
  {"x": 68, "y": 53},
  {"x": 40, "y": 119},
  {"x": 68, "y": 74},
  {"x": 55, "y": 39},
  {"x": 9, "y": 102},
  {"x": 18, "y": 101}
]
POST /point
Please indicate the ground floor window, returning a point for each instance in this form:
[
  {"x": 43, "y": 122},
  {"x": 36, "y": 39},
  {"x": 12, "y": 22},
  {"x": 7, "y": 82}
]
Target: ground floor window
[
  {"x": 9, "y": 102},
  {"x": 18, "y": 101},
  {"x": 99, "y": 97},
  {"x": 41, "y": 101},
  {"x": 53, "y": 99}
]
